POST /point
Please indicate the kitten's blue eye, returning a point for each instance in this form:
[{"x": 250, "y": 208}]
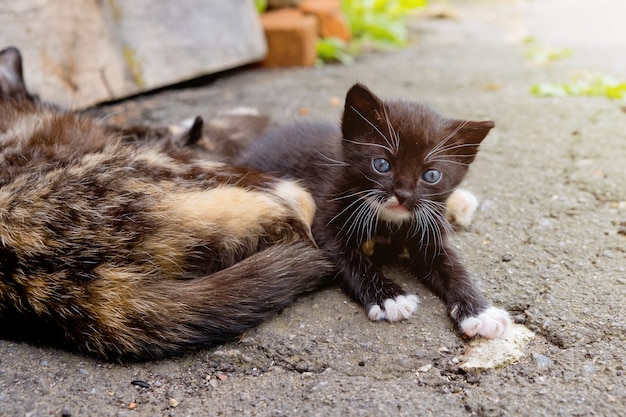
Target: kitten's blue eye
[
  {"x": 432, "y": 176},
  {"x": 381, "y": 165}
]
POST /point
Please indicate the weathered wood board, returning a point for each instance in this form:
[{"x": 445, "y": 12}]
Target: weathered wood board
[{"x": 82, "y": 52}]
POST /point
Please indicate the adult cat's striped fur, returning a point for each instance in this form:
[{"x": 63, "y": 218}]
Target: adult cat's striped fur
[{"x": 134, "y": 251}]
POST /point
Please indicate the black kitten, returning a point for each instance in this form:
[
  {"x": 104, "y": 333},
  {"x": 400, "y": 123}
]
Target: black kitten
[{"x": 381, "y": 185}]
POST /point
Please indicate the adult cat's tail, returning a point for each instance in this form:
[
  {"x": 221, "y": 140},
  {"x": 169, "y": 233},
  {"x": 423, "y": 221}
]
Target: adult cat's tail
[
  {"x": 223, "y": 305},
  {"x": 131, "y": 318},
  {"x": 176, "y": 315}
]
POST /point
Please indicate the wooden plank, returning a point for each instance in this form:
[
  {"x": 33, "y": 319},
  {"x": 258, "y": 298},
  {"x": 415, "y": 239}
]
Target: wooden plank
[{"x": 83, "y": 52}]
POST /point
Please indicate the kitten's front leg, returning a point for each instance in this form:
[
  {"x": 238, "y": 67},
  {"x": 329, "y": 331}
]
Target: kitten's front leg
[
  {"x": 442, "y": 271},
  {"x": 382, "y": 298}
]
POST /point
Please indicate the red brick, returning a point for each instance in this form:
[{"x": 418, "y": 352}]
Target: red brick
[
  {"x": 291, "y": 38},
  {"x": 331, "y": 21}
]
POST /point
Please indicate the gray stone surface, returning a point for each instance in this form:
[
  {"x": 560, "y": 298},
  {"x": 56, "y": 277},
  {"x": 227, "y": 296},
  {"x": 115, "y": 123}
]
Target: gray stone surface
[
  {"x": 86, "y": 52},
  {"x": 547, "y": 244}
]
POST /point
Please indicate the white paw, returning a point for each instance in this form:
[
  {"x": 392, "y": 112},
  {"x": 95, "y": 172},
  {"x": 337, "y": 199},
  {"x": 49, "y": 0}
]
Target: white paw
[
  {"x": 491, "y": 323},
  {"x": 461, "y": 207},
  {"x": 401, "y": 307}
]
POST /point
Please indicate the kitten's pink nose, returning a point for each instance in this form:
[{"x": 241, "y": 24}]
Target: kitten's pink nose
[{"x": 403, "y": 195}]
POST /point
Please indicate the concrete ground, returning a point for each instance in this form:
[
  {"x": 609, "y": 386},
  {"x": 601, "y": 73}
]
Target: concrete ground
[{"x": 548, "y": 244}]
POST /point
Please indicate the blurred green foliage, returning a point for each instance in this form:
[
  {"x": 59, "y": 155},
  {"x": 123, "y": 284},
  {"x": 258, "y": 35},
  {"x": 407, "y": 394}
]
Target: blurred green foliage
[
  {"x": 261, "y": 5},
  {"x": 583, "y": 85},
  {"x": 334, "y": 49},
  {"x": 374, "y": 24},
  {"x": 380, "y": 22},
  {"x": 540, "y": 53}
]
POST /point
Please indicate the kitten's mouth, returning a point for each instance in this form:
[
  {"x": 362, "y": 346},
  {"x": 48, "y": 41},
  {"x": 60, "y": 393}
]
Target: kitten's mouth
[
  {"x": 395, "y": 206},
  {"x": 395, "y": 212}
]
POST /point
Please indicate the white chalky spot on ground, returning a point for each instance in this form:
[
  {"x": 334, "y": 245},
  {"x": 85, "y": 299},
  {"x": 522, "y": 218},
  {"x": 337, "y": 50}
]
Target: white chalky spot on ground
[{"x": 482, "y": 353}]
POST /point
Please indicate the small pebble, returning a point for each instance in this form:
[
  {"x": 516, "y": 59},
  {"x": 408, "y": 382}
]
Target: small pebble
[
  {"x": 173, "y": 402},
  {"x": 83, "y": 371},
  {"x": 542, "y": 361},
  {"x": 425, "y": 368}
]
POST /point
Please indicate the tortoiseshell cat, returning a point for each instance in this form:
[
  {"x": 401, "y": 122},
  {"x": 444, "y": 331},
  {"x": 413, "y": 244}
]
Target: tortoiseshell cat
[
  {"x": 135, "y": 251},
  {"x": 381, "y": 185}
]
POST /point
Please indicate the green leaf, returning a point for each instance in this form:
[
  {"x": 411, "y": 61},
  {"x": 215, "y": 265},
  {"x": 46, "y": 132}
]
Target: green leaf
[
  {"x": 261, "y": 5},
  {"x": 333, "y": 49},
  {"x": 597, "y": 85},
  {"x": 380, "y": 21},
  {"x": 539, "y": 53}
]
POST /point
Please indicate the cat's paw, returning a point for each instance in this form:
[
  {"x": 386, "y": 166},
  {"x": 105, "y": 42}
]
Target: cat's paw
[
  {"x": 394, "y": 309},
  {"x": 461, "y": 207},
  {"x": 491, "y": 323}
]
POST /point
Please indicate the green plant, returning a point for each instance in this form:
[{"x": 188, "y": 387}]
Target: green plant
[
  {"x": 583, "y": 85},
  {"x": 380, "y": 22},
  {"x": 540, "y": 53},
  {"x": 377, "y": 24},
  {"x": 334, "y": 49},
  {"x": 261, "y": 5}
]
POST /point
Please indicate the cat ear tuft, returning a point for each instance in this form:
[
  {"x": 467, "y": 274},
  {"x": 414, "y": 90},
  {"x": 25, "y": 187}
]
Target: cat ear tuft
[{"x": 11, "y": 77}]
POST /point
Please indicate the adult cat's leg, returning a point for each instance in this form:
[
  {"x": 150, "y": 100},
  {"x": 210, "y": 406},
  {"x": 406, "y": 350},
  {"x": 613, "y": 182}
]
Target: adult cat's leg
[{"x": 441, "y": 270}]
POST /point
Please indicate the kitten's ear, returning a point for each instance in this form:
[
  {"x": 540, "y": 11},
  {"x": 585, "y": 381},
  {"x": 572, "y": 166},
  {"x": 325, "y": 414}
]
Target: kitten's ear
[
  {"x": 474, "y": 132},
  {"x": 362, "y": 110},
  {"x": 11, "y": 78}
]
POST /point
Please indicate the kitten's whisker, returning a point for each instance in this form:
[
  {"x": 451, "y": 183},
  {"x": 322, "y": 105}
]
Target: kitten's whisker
[
  {"x": 364, "y": 220},
  {"x": 447, "y": 150},
  {"x": 341, "y": 197},
  {"x": 392, "y": 132},
  {"x": 450, "y": 161},
  {"x": 373, "y": 126},
  {"x": 437, "y": 148},
  {"x": 369, "y": 225},
  {"x": 456, "y": 145},
  {"x": 450, "y": 147},
  {"x": 348, "y": 207},
  {"x": 374, "y": 181},
  {"x": 438, "y": 211},
  {"x": 334, "y": 162},
  {"x": 378, "y": 145},
  {"x": 425, "y": 196},
  {"x": 358, "y": 201}
]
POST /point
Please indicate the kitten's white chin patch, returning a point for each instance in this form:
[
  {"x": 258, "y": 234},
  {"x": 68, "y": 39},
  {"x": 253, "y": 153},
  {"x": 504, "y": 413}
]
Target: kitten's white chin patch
[
  {"x": 395, "y": 309},
  {"x": 394, "y": 212},
  {"x": 491, "y": 323}
]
